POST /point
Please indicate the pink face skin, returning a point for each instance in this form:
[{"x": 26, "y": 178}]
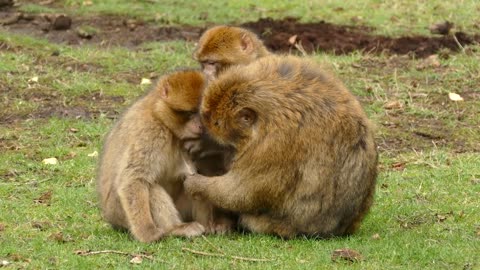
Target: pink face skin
[
  {"x": 193, "y": 128},
  {"x": 210, "y": 70}
]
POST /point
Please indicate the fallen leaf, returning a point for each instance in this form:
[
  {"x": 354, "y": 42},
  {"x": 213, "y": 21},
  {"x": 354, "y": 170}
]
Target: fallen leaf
[
  {"x": 2, "y": 227},
  {"x": 73, "y": 130},
  {"x": 292, "y": 39},
  {"x": 18, "y": 258},
  {"x": 41, "y": 225},
  {"x": 392, "y": 105},
  {"x": 33, "y": 79},
  {"x": 347, "y": 255},
  {"x": 455, "y": 97},
  {"x": 145, "y": 81},
  {"x": 60, "y": 237},
  {"x": 442, "y": 28},
  {"x": 136, "y": 260},
  {"x": 44, "y": 198},
  {"x": 50, "y": 161},
  {"x": 87, "y": 3},
  {"x": 376, "y": 236},
  {"x": 399, "y": 166},
  {"x": 93, "y": 154},
  {"x": 430, "y": 62},
  {"x": 441, "y": 218}
]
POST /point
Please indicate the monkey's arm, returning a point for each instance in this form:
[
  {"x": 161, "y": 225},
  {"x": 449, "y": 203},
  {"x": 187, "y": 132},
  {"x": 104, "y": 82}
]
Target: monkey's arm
[{"x": 223, "y": 191}]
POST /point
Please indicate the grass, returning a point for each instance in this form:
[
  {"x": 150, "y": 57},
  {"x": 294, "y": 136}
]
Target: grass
[{"x": 426, "y": 213}]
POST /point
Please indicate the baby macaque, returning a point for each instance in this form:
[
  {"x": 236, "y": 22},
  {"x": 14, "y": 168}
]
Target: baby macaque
[
  {"x": 144, "y": 163},
  {"x": 305, "y": 158},
  {"x": 223, "y": 46}
]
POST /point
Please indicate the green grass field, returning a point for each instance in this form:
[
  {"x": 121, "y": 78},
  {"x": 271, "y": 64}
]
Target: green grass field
[{"x": 427, "y": 204}]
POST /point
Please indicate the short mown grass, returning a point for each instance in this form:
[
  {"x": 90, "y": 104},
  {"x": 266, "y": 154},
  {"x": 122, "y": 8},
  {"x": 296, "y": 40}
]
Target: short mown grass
[{"x": 427, "y": 208}]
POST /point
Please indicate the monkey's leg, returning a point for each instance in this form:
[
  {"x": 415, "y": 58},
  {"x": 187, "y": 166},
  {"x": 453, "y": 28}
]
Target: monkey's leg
[
  {"x": 224, "y": 191},
  {"x": 267, "y": 225},
  {"x": 135, "y": 199},
  {"x": 166, "y": 216}
]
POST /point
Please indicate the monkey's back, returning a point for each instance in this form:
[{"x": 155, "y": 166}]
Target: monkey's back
[
  {"x": 316, "y": 145},
  {"x": 139, "y": 142}
]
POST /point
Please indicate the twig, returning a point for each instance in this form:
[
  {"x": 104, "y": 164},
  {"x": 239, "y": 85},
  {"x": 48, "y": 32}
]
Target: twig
[
  {"x": 226, "y": 256},
  {"x": 458, "y": 42},
  {"x": 89, "y": 252},
  {"x": 212, "y": 245},
  {"x": 299, "y": 47},
  {"x": 203, "y": 253}
]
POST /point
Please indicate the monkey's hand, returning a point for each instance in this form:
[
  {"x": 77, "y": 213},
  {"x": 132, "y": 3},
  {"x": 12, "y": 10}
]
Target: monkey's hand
[{"x": 195, "y": 185}]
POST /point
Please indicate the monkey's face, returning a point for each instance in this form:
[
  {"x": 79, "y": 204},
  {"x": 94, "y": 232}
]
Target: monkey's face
[{"x": 226, "y": 113}]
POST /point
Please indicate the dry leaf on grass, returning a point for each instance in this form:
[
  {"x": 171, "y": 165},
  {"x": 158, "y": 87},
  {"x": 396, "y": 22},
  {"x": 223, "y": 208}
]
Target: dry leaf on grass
[
  {"x": 136, "y": 260},
  {"x": 60, "y": 237},
  {"x": 50, "y": 161},
  {"x": 145, "y": 81},
  {"x": 292, "y": 39},
  {"x": 393, "y": 105},
  {"x": 93, "y": 154},
  {"x": 44, "y": 198},
  {"x": 2, "y": 227},
  {"x": 33, "y": 79},
  {"x": 346, "y": 254},
  {"x": 455, "y": 97},
  {"x": 430, "y": 62}
]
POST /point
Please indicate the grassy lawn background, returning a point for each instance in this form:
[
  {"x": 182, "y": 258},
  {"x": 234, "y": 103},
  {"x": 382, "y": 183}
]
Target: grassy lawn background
[{"x": 427, "y": 207}]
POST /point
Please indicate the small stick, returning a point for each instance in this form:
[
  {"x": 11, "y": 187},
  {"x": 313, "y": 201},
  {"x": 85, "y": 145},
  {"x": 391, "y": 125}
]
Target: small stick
[
  {"x": 88, "y": 252},
  {"x": 203, "y": 253},
  {"x": 226, "y": 256},
  {"x": 458, "y": 42},
  {"x": 212, "y": 245}
]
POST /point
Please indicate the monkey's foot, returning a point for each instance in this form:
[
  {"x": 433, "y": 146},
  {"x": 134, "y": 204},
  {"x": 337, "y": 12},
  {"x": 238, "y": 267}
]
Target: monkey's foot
[{"x": 190, "y": 229}]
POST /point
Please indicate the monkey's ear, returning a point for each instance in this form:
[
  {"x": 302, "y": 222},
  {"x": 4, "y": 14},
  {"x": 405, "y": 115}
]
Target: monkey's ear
[
  {"x": 247, "y": 117},
  {"x": 247, "y": 43},
  {"x": 164, "y": 89}
]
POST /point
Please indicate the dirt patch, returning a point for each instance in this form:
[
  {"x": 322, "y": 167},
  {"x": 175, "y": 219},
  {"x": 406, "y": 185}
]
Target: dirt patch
[
  {"x": 277, "y": 34},
  {"x": 53, "y": 104},
  {"x": 341, "y": 39}
]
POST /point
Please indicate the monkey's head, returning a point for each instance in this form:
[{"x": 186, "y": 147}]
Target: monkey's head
[
  {"x": 223, "y": 46},
  {"x": 181, "y": 93},
  {"x": 227, "y": 111}
]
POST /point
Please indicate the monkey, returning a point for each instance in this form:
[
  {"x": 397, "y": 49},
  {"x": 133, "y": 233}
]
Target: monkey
[
  {"x": 143, "y": 162},
  {"x": 305, "y": 160},
  {"x": 221, "y": 47}
]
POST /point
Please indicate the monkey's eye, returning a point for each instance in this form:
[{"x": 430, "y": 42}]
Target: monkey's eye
[
  {"x": 247, "y": 117},
  {"x": 185, "y": 114}
]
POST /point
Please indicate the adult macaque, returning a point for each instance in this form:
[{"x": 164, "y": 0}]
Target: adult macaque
[
  {"x": 144, "y": 163},
  {"x": 305, "y": 158},
  {"x": 223, "y": 46}
]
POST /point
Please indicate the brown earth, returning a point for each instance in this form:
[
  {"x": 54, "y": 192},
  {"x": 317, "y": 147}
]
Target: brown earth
[
  {"x": 278, "y": 35},
  {"x": 404, "y": 131}
]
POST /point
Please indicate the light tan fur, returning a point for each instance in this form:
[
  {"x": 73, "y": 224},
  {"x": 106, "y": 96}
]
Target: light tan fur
[
  {"x": 143, "y": 164},
  {"x": 223, "y": 46},
  {"x": 305, "y": 158}
]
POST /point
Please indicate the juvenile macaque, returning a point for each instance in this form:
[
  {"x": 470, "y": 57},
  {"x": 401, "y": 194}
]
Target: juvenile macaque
[
  {"x": 144, "y": 163},
  {"x": 305, "y": 158},
  {"x": 223, "y": 46}
]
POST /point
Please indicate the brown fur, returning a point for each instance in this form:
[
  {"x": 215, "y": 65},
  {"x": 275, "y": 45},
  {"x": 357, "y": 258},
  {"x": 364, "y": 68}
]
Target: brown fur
[
  {"x": 223, "y": 46},
  {"x": 143, "y": 165},
  {"x": 306, "y": 160}
]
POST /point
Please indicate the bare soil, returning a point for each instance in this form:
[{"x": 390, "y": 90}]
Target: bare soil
[
  {"x": 277, "y": 34},
  {"x": 405, "y": 132}
]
